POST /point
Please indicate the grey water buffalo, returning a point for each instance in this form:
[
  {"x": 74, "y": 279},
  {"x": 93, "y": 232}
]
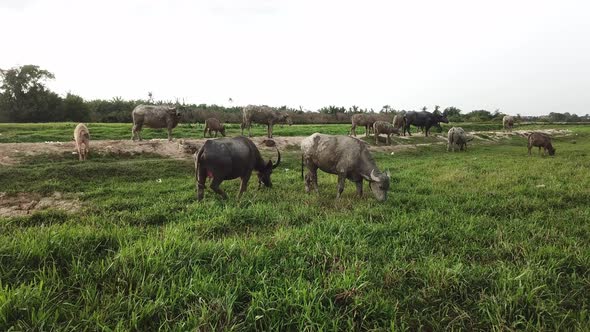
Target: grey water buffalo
[
  {"x": 263, "y": 115},
  {"x": 154, "y": 117},
  {"x": 363, "y": 120},
  {"x": 423, "y": 119},
  {"x": 542, "y": 141},
  {"x": 457, "y": 137},
  {"x": 82, "y": 138},
  {"x": 231, "y": 158},
  {"x": 383, "y": 127},
  {"x": 212, "y": 124},
  {"x": 345, "y": 156},
  {"x": 399, "y": 122},
  {"x": 508, "y": 122}
]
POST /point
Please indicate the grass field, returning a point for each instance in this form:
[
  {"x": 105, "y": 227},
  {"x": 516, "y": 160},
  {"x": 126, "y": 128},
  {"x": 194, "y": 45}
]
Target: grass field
[
  {"x": 41, "y": 132},
  {"x": 488, "y": 239}
]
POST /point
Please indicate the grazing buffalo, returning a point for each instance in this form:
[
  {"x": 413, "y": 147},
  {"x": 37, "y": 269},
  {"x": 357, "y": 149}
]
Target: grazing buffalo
[
  {"x": 263, "y": 115},
  {"x": 399, "y": 122},
  {"x": 345, "y": 156},
  {"x": 457, "y": 137},
  {"x": 212, "y": 124},
  {"x": 82, "y": 138},
  {"x": 231, "y": 158},
  {"x": 154, "y": 117},
  {"x": 383, "y": 127},
  {"x": 363, "y": 120},
  {"x": 508, "y": 122},
  {"x": 423, "y": 119},
  {"x": 542, "y": 141}
]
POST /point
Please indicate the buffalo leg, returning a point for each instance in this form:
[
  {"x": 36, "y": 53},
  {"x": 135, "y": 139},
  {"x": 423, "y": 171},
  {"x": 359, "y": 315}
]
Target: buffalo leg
[
  {"x": 249, "y": 129},
  {"x": 341, "y": 181},
  {"x": 169, "y": 134},
  {"x": 359, "y": 188},
  {"x": 215, "y": 187},
  {"x": 530, "y": 147},
  {"x": 201, "y": 175},
  {"x": 244, "y": 184},
  {"x": 388, "y": 139},
  {"x": 311, "y": 179},
  {"x": 205, "y": 132},
  {"x": 353, "y": 130},
  {"x": 215, "y": 134}
]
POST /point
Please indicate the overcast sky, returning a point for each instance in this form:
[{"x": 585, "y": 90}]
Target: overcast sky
[{"x": 521, "y": 56}]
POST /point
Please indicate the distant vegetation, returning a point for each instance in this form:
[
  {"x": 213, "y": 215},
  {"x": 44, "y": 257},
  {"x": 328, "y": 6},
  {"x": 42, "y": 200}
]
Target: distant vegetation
[{"x": 24, "y": 97}]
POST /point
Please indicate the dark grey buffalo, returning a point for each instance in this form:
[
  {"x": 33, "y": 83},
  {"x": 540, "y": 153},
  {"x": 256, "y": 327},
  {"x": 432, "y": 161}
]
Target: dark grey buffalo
[
  {"x": 383, "y": 127},
  {"x": 263, "y": 115},
  {"x": 154, "y": 117},
  {"x": 541, "y": 140},
  {"x": 231, "y": 158},
  {"x": 212, "y": 124},
  {"x": 345, "y": 156},
  {"x": 423, "y": 119},
  {"x": 363, "y": 120}
]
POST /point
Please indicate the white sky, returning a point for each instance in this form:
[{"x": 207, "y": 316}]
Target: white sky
[{"x": 522, "y": 56}]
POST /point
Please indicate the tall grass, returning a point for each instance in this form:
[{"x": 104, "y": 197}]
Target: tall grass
[{"x": 488, "y": 239}]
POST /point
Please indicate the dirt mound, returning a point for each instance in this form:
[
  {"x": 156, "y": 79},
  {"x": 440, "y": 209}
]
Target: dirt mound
[
  {"x": 11, "y": 153},
  {"x": 23, "y": 204}
]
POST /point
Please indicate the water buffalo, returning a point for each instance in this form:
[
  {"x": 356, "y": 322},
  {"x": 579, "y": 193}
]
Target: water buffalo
[
  {"x": 212, "y": 124},
  {"x": 542, "y": 141},
  {"x": 345, "y": 156},
  {"x": 82, "y": 138},
  {"x": 423, "y": 119},
  {"x": 231, "y": 158},
  {"x": 508, "y": 122},
  {"x": 383, "y": 127},
  {"x": 364, "y": 120},
  {"x": 399, "y": 122},
  {"x": 263, "y": 115},
  {"x": 457, "y": 136},
  {"x": 154, "y": 117}
]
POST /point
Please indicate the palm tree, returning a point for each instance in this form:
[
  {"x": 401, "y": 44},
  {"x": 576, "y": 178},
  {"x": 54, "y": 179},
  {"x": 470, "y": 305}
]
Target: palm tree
[{"x": 424, "y": 108}]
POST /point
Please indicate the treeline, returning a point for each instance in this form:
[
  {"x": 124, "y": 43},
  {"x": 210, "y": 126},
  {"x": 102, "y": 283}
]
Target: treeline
[{"x": 24, "y": 97}]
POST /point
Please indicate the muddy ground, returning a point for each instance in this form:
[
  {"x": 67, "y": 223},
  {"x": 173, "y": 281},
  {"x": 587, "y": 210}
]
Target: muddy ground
[{"x": 23, "y": 204}]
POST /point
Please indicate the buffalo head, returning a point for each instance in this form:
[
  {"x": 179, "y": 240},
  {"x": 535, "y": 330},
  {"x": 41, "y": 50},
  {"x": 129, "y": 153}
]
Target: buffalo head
[
  {"x": 264, "y": 175},
  {"x": 441, "y": 118},
  {"x": 379, "y": 184},
  {"x": 287, "y": 119},
  {"x": 173, "y": 111}
]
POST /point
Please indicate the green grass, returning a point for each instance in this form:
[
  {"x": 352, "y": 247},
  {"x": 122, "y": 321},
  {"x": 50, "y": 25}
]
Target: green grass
[
  {"x": 488, "y": 239},
  {"x": 63, "y": 131}
]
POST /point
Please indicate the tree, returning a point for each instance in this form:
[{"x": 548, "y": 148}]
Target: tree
[
  {"x": 424, "y": 108},
  {"x": 24, "y": 96},
  {"x": 73, "y": 108},
  {"x": 385, "y": 109}
]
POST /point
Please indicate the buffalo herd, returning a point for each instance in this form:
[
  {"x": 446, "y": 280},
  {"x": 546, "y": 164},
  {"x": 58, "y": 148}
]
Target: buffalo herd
[{"x": 342, "y": 155}]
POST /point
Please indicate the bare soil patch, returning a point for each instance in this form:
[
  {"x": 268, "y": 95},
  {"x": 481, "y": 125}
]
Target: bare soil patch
[
  {"x": 12, "y": 153},
  {"x": 23, "y": 204}
]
